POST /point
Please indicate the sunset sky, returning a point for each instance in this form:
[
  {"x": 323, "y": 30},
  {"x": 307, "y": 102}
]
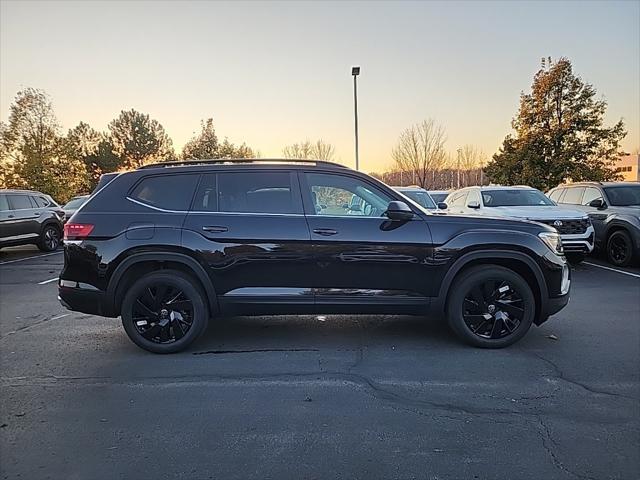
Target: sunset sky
[{"x": 271, "y": 73}]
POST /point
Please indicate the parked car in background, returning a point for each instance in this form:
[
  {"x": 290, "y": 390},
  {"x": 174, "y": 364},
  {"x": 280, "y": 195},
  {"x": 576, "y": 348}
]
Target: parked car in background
[
  {"x": 418, "y": 195},
  {"x": 29, "y": 217},
  {"x": 168, "y": 246},
  {"x": 614, "y": 209},
  {"x": 439, "y": 196},
  {"x": 74, "y": 204},
  {"x": 528, "y": 203}
]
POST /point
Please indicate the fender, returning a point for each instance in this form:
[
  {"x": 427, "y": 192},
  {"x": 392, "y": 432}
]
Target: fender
[
  {"x": 439, "y": 304},
  {"x": 186, "y": 260}
]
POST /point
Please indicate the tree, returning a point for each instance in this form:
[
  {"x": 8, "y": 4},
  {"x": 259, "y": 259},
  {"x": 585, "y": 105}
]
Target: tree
[
  {"x": 420, "y": 152},
  {"x": 319, "y": 150},
  {"x": 33, "y": 151},
  {"x": 204, "y": 145},
  {"x": 138, "y": 139},
  {"x": 472, "y": 161},
  {"x": 559, "y": 133}
]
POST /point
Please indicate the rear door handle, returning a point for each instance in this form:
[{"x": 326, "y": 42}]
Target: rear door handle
[
  {"x": 215, "y": 229},
  {"x": 325, "y": 232}
]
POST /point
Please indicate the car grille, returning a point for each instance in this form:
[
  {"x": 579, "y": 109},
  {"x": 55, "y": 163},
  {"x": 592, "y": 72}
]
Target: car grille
[{"x": 569, "y": 227}]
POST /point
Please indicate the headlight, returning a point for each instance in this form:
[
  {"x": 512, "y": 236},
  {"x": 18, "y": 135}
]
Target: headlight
[{"x": 553, "y": 241}]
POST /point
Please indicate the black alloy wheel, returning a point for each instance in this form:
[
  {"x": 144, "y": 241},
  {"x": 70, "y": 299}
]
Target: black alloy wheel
[
  {"x": 164, "y": 311},
  {"x": 490, "y": 306},
  {"x": 620, "y": 248},
  {"x": 49, "y": 239},
  {"x": 493, "y": 309}
]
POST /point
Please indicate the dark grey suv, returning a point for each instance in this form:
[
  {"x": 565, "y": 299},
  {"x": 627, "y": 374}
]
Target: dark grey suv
[
  {"x": 29, "y": 217},
  {"x": 614, "y": 208}
]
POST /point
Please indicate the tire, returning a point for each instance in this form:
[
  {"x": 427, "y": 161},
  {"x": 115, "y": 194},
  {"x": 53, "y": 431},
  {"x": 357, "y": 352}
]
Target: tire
[
  {"x": 165, "y": 329},
  {"x": 620, "y": 249},
  {"x": 575, "y": 258},
  {"x": 49, "y": 240},
  {"x": 496, "y": 321}
]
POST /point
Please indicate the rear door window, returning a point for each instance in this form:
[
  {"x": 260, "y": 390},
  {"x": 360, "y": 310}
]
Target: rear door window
[
  {"x": 573, "y": 195},
  {"x": 4, "y": 204},
  {"x": 254, "y": 192},
  {"x": 167, "y": 192},
  {"x": 19, "y": 202}
]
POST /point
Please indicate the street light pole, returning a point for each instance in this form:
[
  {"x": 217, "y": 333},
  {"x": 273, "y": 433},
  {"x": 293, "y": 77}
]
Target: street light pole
[{"x": 355, "y": 71}]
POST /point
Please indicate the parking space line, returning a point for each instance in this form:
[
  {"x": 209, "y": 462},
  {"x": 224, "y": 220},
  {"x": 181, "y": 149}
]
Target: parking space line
[
  {"x": 612, "y": 269},
  {"x": 48, "y": 281},
  {"x": 29, "y": 258}
]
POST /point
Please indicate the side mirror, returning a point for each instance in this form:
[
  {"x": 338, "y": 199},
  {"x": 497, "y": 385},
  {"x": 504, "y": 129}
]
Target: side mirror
[
  {"x": 598, "y": 203},
  {"x": 398, "y": 211},
  {"x": 473, "y": 204},
  {"x": 442, "y": 206}
]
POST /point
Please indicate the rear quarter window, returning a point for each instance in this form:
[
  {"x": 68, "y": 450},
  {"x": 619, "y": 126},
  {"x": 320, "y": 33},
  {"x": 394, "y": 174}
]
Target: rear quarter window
[{"x": 168, "y": 192}]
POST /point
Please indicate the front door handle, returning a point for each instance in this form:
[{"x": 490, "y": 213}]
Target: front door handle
[
  {"x": 215, "y": 229},
  {"x": 325, "y": 232}
]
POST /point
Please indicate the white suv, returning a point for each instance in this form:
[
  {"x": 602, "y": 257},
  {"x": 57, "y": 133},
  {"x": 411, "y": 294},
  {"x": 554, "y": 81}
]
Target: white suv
[{"x": 574, "y": 226}]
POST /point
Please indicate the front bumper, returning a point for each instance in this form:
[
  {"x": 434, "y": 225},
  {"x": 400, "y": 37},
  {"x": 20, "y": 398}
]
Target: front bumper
[{"x": 579, "y": 243}]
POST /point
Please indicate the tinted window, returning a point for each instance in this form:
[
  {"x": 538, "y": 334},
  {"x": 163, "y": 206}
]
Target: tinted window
[
  {"x": 573, "y": 195},
  {"x": 170, "y": 192},
  {"x": 591, "y": 194},
  {"x": 340, "y": 195},
  {"x": 256, "y": 192},
  {"x": 439, "y": 197},
  {"x": 19, "y": 202},
  {"x": 206, "y": 196},
  {"x": 514, "y": 198},
  {"x": 40, "y": 201},
  {"x": 4, "y": 204},
  {"x": 624, "y": 195},
  {"x": 555, "y": 195},
  {"x": 421, "y": 198},
  {"x": 75, "y": 203}
]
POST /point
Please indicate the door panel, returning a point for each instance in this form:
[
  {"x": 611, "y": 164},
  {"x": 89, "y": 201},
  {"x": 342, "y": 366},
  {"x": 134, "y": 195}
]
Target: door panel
[
  {"x": 23, "y": 218},
  {"x": 258, "y": 258},
  {"x": 363, "y": 258}
]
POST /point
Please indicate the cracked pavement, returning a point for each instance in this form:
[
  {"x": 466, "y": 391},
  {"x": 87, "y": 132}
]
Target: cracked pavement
[{"x": 307, "y": 398}]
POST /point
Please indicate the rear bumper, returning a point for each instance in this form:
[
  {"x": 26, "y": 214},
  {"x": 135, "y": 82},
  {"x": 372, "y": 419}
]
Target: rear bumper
[{"x": 84, "y": 300}]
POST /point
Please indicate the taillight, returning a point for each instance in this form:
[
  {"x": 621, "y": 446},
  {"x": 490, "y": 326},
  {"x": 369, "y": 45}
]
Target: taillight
[{"x": 75, "y": 231}]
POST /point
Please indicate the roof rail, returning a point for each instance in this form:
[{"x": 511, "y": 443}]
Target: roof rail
[{"x": 181, "y": 163}]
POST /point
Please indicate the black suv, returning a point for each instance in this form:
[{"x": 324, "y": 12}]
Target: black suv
[
  {"x": 29, "y": 217},
  {"x": 614, "y": 209},
  {"x": 169, "y": 246}
]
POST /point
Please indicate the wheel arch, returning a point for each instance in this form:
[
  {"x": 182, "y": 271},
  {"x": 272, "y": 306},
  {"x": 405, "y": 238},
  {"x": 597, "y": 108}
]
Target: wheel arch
[
  {"x": 144, "y": 262},
  {"x": 513, "y": 260}
]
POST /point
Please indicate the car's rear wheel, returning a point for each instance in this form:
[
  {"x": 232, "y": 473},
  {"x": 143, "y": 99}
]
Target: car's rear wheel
[
  {"x": 620, "y": 248},
  {"x": 164, "y": 311},
  {"x": 575, "y": 258},
  {"x": 490, "y": 306},
  {"x": 49, "y": 238}
]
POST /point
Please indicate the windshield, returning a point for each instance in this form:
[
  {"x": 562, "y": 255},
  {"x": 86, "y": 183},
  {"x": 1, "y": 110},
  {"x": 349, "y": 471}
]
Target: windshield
[
  {"x": 439, "y": 196},
  {"x": 514, "y": 198},
  {"x": 75, "y": 203},
  {"x": 421, "y": 198},
  {"x": 624, "y": 196}
]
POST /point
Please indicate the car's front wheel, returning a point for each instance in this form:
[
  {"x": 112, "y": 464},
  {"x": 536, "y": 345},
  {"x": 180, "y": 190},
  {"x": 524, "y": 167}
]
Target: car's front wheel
[
  {"x": 164, "y": 311},
  {"x": 620, "y": 248},
  {"x": 490, "y": 306},
  {"x": 49, "y": 240}
]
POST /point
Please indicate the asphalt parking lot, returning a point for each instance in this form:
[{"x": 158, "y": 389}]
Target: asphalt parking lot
[{"x": 318, "y": 397}]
